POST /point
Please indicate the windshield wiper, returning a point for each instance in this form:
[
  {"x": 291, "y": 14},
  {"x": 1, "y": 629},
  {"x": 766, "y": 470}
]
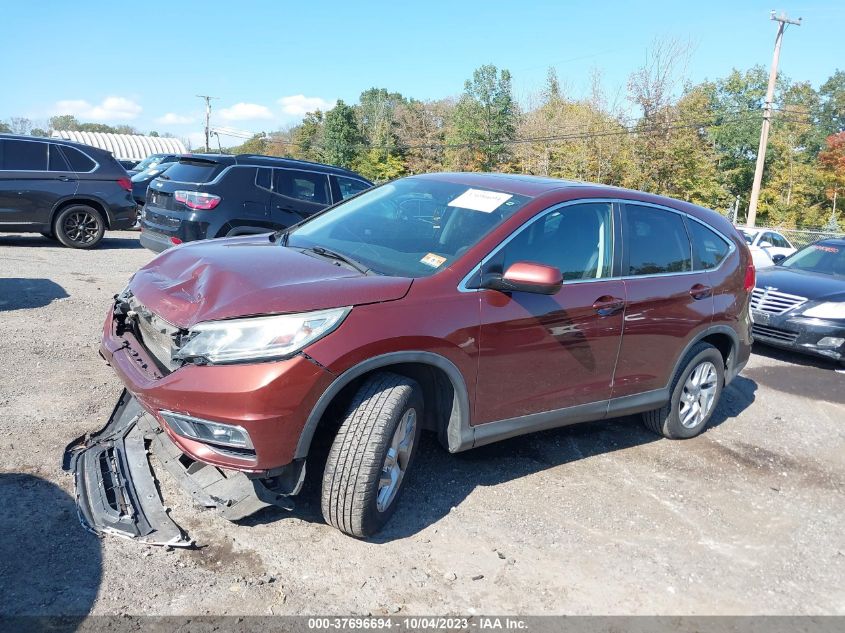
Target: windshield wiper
[{"x": 340, "y": 257}]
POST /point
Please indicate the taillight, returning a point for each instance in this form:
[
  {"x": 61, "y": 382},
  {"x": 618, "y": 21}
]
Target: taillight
[
  {"x": 750, "y": 277},
  {"x": 125, "y": 183},
  {"x": 197, "y": 199},
  {"x": 175, "y": 241}
]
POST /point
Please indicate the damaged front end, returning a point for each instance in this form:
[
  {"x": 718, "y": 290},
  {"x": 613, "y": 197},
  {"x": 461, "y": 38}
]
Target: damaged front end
[{"x": 117, "y": 491}]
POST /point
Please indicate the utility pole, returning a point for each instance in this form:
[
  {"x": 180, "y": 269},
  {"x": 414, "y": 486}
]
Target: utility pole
[
  {"x": 207, "y": 120},
  {"x": 782, "y": 21}
]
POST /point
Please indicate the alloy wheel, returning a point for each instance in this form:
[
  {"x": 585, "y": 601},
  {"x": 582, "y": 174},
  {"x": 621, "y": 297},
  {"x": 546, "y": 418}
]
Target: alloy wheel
[
  {"x": 698, "y": 395},
  {"x": 81, "y": 227},
  {"x": 396, "y": 460}
]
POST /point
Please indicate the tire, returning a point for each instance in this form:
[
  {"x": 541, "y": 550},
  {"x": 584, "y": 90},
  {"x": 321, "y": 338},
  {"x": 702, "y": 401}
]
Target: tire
[
  {"x": 356, "y": 498},
  {"x": 669, "y": 420},
  {"x": 79, "y": 226}
]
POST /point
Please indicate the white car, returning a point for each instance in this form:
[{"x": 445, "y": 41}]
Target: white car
[{"x": 772, "y": 242}]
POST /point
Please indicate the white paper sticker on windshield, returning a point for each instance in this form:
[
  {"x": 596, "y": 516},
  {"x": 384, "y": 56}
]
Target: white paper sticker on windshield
[
  {"x": 480, "y": 200},
  {"x": 433, "y": 260}
]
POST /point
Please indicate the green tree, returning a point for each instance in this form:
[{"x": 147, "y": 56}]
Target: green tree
[
  {"x": 307, "y": 137},
  {"x": 484, "y": 121},
  {"x": 255, "y": 145},
  {"x": 830, "y": 112},
  {"x": 832, "y": 165},
  {"x": 37, "y": 131},
  {"x": 341, "y": 137},
  {"x": 5, "y": 128},
  {"x": 64, "y": 122}
]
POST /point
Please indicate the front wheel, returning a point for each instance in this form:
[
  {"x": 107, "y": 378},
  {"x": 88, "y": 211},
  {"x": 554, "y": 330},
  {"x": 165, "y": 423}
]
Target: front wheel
[
  {"x": 371, "y": 454},
  {"x": 695, "y": 393},
  {"x": 79, "y": 226}
]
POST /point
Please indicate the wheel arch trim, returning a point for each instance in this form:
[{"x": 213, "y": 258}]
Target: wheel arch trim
[{"x": 458, "y": 433}]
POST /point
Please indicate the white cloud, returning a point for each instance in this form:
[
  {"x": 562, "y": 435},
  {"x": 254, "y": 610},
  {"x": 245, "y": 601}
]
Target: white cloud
[
  {"x": 171, "y": 118},
  {"x": 300, "y": 105},
  {"x": 245, "y": 112},
  {"x": 110, "y": 109}
]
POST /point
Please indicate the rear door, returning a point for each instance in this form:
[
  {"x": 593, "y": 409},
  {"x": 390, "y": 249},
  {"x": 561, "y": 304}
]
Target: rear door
[
  {"x": 541, "y": 353},
  {"x": 298, "y": 194},
  {"x": 34, "y": 176},
  {"x": 667, "y": 300}
]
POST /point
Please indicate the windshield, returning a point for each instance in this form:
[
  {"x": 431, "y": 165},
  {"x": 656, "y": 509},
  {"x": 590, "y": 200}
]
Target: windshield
[
  {"x": 411, "y": 227},
  {"x": 149, "y": 161},
  {"x": 823, "y": 257},
  {"x": 152, "y": 172}
]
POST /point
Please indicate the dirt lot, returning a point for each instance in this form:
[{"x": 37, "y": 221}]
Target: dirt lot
[{"x": 746, "y": 519}]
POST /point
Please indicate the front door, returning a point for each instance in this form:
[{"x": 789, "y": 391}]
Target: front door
[
  {"x": 541, "y": 353},
  {"x": 33, "y": 177}
]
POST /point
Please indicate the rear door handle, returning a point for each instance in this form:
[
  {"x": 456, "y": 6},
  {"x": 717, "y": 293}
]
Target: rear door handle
[
  {"x": 700, "y": 291},
  {"x": 608, "y": 305}
]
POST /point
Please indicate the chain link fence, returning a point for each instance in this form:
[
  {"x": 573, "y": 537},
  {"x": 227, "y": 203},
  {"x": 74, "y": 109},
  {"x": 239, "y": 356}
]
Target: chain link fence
[{"x": 801, "y": 237}]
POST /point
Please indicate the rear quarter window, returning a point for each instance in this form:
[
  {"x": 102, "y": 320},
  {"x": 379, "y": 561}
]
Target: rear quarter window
[
  {"x": 79, "y": 162},
  {"x": 194, "y": 171}
]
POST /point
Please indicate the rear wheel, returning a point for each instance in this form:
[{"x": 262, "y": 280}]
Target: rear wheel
[
  {"x": 371, "y": 454},
  {"x": 695, "y": 393},
  {"x": 79, "y": 226}
]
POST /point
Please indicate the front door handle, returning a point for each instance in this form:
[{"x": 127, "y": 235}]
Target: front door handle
[
  {"x": 700, "y": 291},
  {"x": 607, "y": 305},
  {"x": 65, "y": 178}
]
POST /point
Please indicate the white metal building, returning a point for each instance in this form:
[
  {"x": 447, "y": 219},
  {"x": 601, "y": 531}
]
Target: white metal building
[{"x": 125, "y": 146}]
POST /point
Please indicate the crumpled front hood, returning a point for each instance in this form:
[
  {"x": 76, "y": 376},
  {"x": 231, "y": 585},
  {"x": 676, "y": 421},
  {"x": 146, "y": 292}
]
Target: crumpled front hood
[{"x": 247, "y": 276}]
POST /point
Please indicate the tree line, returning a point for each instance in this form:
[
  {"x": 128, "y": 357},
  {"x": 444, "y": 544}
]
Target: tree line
[
  {"x": 66, "y": 122},
  {"x": 694, "y": 142}
]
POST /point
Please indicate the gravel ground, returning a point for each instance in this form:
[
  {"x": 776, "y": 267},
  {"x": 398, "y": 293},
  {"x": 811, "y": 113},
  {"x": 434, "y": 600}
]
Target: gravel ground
[{"x": 594, "y": 519}]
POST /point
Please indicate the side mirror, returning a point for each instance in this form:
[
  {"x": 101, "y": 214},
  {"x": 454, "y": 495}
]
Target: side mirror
[
  {"x": 526, "y": 277},
  {"x": 765, "y": 244},
  {"x": 777, "y": 259}
]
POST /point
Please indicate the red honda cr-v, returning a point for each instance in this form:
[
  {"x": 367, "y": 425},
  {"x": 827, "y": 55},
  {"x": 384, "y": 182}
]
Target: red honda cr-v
[{"x": 477, "y": 306}]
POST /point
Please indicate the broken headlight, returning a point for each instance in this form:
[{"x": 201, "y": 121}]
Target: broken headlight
[{"x": 257, "y": 338}]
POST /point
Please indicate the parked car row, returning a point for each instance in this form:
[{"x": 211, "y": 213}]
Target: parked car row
[{"x": 767, "y": 246}]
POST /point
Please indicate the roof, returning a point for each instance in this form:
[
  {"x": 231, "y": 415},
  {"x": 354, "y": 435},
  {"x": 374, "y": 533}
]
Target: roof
[
  {"x": 125, "y": 146},
  {"x": 280, "y": 161},
  {"x": 521, "y": 184}
]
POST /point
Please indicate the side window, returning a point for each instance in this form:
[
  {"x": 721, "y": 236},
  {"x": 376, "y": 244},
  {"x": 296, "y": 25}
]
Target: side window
[
  {"x": 767, "y": 237},
  {"x": 302, "y": 185},
  {"x": 709, "y": 248},
  {"x": 349, "y": 187},
  {"x": 24, "y": 155},
  {"x": 656, "y": 241},
  {"x": 264, "y": 177},
  {"x": 78, "y": 161},
  {"x": 57, "y": 160},
  {"x": 577, "y": 239},
  {"x": 779, "y": 241}
]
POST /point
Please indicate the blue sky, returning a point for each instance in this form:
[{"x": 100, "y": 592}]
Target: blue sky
[{"x": 142, "y": 63}]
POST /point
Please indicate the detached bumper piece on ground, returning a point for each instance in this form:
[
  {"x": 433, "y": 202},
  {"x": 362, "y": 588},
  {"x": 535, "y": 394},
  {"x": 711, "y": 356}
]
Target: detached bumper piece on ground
[{"x": 117, "y": 491}]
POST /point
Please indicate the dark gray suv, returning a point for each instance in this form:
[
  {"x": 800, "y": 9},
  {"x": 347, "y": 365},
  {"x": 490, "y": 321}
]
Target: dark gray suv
[
  {"x": 219, "y": 195},
  {"x": 63, "y": 190}
]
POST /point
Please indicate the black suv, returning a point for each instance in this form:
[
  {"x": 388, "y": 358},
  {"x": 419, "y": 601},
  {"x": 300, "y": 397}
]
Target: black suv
[
  {"x": 217, "y": 195},
  {"x": 63, "y": 190}
]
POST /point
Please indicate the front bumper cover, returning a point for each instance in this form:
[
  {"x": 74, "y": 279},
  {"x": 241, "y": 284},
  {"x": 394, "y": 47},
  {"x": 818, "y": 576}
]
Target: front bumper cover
[
  {"x": 117, "y": 490},
  {"x": 797, "y": 333}
]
